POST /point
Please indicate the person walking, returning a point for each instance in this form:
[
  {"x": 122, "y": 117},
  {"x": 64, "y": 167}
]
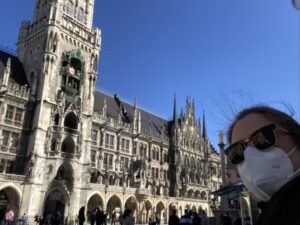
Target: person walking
[
  {"x": 185, "y": 219},
  {"x": 203, "y": 216},
  {"x": 9, "y": 216},
  {"x": 127, "y": 218},
  {"x": 173, "y": 219},
  {"x": 265, "y": 149},
  {"x": 81, "y": 216}
]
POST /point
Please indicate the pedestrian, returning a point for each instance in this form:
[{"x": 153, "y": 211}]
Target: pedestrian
[
  {"x": 76, "y": 220},
  {"x": 9, "y": 217},
  {"x": 227, "y": 219},
  {"x": 157, "y": 219},
  {"x": 93, "y": 216},
  {"x": 185, "y": 219},
  {"x": 173, "y": 219},
  {"x": 127, "y": 218},
  {"x": 265, "y": 149},
  {"x": 81, "y": 216},
  {"x": 196, "y": 219},
  {"x": 203, "y": 216},
  {"x": 24, "y": 219},
  {"x": 237, "y": 220}
]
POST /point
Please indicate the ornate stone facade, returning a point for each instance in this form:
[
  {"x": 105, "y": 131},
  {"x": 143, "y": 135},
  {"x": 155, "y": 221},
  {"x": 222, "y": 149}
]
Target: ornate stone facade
[{"x": 65, "y": 145}]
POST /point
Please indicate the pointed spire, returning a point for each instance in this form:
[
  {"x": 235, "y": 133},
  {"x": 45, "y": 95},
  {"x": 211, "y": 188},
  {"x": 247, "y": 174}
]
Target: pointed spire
[
  {"x": 7, "y": 72},
  {"x": 199, "y": 126},
  {"x": 193, "y": 107},
  {"x": 139, "y": 122},
  {"x": 204, "y": 132},
  {"x": 135, "y": 103},
  {"x": 104, "y": 107},
  {"x": 175, "y": 120}
]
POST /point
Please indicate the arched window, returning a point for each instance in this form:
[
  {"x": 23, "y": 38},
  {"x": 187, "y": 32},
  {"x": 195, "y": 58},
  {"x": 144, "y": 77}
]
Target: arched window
[
  {"x": 56, "y": 119},
  {"x": 69, "y": 8},
  {"x": 186, "y": 161},
  {"x": 80, "y": 15},
  {"x": 68, "y": 146},
  {"x": 71, "y": 121}
]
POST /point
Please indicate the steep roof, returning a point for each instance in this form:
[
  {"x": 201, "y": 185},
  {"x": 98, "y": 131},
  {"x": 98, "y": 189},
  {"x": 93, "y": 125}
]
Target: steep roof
[
  {"x": 151, "y": 125},
  {"x": 17, "y": 71}
]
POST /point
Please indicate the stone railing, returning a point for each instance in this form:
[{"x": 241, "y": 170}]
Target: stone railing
[{"x": 12, "y": 177}]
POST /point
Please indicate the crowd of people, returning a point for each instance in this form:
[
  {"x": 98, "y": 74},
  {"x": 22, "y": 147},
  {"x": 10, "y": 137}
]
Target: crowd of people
[{"x": 189, "y": 218}]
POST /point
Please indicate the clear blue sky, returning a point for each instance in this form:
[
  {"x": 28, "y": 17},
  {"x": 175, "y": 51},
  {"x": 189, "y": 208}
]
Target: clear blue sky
[{"x": 224, "y": 54}]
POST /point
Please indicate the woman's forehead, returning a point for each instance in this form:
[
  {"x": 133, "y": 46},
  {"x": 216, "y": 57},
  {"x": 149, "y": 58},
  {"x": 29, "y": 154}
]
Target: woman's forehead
[{"x": 246, "y": 126}]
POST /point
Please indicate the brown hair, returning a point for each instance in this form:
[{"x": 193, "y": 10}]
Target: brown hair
[{"x": 282, "y": 119}]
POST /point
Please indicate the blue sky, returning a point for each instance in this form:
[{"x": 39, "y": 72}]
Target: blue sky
[{"x": 225, "y": 54}]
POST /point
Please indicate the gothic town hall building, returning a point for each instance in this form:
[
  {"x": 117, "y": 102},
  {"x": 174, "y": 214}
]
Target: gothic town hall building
[{"x": 64, "y": 145}]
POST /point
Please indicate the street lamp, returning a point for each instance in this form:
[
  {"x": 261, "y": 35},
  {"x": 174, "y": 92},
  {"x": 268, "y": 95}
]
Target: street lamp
[{"x": 296, "y": 4}]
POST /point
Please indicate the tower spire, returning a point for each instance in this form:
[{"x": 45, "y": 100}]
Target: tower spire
[
  {"x": 175, "y": 120},
  {"x": 204, "y": 132}
]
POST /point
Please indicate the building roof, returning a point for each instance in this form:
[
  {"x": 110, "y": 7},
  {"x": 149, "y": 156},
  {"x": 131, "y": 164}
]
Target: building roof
[
  {"x": 151, "y": 125},
  {"x": 18, "y": 74}
]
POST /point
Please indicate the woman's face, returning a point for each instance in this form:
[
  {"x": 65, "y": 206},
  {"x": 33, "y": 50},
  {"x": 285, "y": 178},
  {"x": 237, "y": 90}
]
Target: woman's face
[{"x": 245, "y": 127}]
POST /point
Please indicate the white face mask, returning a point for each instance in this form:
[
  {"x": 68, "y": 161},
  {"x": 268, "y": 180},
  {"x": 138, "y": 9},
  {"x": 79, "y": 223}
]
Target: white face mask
[{"x": 265, "y": 172}]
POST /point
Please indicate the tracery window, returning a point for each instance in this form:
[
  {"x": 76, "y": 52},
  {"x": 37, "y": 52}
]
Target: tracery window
[{"x": 69, "y": 8}]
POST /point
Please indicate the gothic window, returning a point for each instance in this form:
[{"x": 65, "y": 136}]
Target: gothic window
[
  {"x": 109, "y": 141},
  {"x": 156, "y": 173},
  {"x": 157, "y": 154},
  {"x": 143, "y": 151},
  {"x": 108, "y": 159},
  {"x": 5, "y": 138},
  {"x": 68, "y": 146},
  {"x": 56, "y": 119},
  {"x": 19, "y": 115},
  {"x": 186, "y": 161},
  {"x": 93, "y": 155},
  {"x": 53, "y": 145},
  {"x": 80, "y": 15},
  {"x": 94, "y": 135},
  {"x": 71, "y": 121},
  {"x": 165, "y": 157},
  {"x": 9, "y": 166},
  {"x": 125, "y": 162},
  {"x": 9, "y": 112},
  {"x": 134, "y": 148},
  {"x": 125, "y": 145},
  {"x": 69, "y": 8},
  {"x": 2, "y": 165},
  {"x": 14, "y": 140},
  {"x": 153, "y": 153}
]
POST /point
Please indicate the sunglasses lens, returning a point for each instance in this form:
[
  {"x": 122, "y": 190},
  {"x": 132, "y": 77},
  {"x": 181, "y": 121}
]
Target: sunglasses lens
[
  {"x": 264, "y": 138},
  {"x": 235, "y": 153}
]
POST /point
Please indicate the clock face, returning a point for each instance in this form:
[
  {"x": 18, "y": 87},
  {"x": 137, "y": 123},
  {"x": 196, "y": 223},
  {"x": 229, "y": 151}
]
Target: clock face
[{"x": 72, "y": 70}]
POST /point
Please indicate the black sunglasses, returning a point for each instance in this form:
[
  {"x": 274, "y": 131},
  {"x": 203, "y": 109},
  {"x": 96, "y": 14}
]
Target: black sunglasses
[{"x": 262, "y": 139}]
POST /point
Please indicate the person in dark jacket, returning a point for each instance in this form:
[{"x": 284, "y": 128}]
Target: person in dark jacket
[
  {"x": 265, "y": 148},
  {"x": 81, "y": 217},
  {"x": 196, "y": 219},
  {"x": 173, "y": 219}
]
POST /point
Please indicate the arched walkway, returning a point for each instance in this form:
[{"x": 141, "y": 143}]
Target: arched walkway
[
  {"x": 56, "y": 202},
  {"x": 9, "y": 198},
  {"x": 94, "y": 201},
  {"x": 131, "y": 204},
  {"x": 160, "y": 212},
  {"x": 114, "y": 205}
]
